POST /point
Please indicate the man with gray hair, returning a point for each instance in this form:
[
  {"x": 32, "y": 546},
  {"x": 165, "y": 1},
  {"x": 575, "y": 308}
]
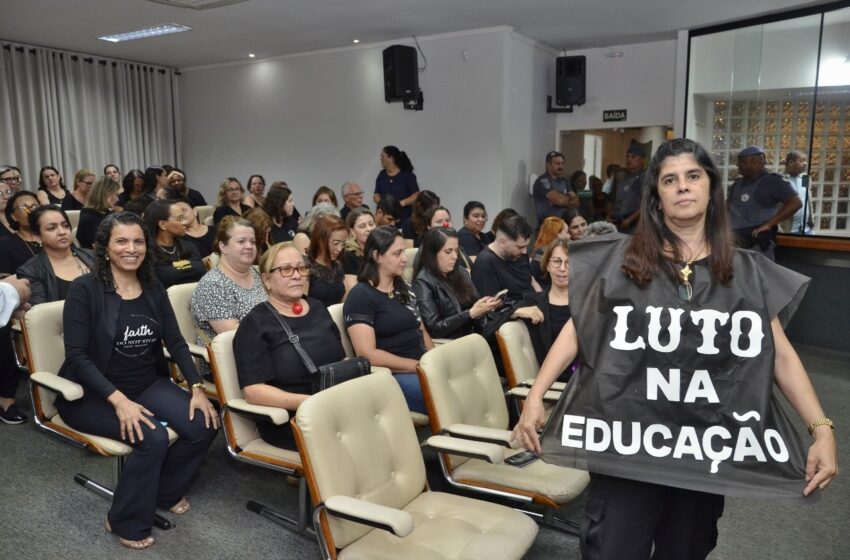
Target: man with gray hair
[
  {"x": 795, "y": 174},
  {"x": 352, "y": 196}
]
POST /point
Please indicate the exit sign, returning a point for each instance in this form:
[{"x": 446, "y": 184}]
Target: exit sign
[{"x": 614, "y": 115}]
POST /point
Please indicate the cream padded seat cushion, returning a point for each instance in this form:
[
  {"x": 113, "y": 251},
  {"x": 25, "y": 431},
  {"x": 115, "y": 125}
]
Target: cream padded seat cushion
[
  {"x": 450, "y": 527},
  {"x": 260, "y": 447},
  {"x": 561, "y": 484}
]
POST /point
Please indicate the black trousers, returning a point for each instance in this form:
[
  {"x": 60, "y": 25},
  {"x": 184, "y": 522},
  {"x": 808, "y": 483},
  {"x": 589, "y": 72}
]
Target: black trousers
[
  {"x": 9, "y": 373},
  {"x": 625, "y": 518},
  {"x": 154, "y": 473}
]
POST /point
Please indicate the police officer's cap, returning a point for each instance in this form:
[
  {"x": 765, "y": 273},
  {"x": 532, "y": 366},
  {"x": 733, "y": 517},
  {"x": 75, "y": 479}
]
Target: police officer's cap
[{"x": 751, "y": 151}]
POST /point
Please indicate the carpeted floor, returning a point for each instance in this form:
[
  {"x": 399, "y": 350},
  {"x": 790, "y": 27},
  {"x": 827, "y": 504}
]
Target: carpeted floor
[{"x": 44, "y": 515}]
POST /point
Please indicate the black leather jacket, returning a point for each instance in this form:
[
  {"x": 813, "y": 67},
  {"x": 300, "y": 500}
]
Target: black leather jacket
[
  {"x": 39, "y": 272},
  {"x": 440, "y": 310}
]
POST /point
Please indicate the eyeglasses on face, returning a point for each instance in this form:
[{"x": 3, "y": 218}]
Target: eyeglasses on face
[
  {"x": 286, "y": 271},
  {"x": 27, "y": 208},
  {"x": 558, "y": 263},
  {"x": 355, "y": 194},
  {"x": 6, "y": 193},
  {"x": 10, "y": 180}
]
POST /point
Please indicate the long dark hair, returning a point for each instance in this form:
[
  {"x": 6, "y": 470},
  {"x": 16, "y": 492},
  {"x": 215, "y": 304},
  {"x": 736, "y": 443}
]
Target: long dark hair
[
  {"x": 457, "y": 280},
  {"x": 379, "y": 241},
  {"x": 643, "y": 257},
  {"x": 102, "y": 268},
  {"x": 150, "y": 175},
  {"x": 42, "y": 186},
  {"x": 130, "y": 178},
  {"x": 275, "y": 201},
  {"x": 157, "y": 211},
  {"x": 399, "y": 158},
  {"x": 425, "y": 200}
]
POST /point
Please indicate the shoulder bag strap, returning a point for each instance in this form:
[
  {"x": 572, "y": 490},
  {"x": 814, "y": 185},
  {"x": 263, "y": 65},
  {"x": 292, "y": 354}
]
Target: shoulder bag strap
[{"x": 293, "y": 338}]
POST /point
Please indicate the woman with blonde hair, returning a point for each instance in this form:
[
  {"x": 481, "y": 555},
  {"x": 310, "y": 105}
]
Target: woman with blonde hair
[
  {"x": 102, "y": 200},
  {"x": 83, "y": 181},
  {"x": 551, "y": 229},
  {"x": 230, "y": 200}
]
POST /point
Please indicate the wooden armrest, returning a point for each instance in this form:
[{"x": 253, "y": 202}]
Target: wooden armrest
[
  {"x": 278, "y": 416},
  {"x": 396, "y": 521},
  {"x": 489, "y": 452},
  {"x": 68, "y": 389}
]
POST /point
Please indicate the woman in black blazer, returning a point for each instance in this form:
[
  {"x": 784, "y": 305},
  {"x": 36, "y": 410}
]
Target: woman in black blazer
[
  {"x": 115, "y": 322},
  {"x": 59, "y": 263},
  {"x": 447, "y": 299},
  {"x": 554, "y": 302}
]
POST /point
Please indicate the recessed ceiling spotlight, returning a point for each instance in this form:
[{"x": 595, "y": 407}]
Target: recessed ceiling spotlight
[
  {"x": 355, "y": 41},
  {"x": 251, "y": 55},
  {"x": 165, "y": 29}
]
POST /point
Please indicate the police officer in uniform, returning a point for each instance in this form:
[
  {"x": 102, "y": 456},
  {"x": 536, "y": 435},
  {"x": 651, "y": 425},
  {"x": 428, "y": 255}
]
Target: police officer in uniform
[
  {"x": 626, "y": 196},
  {"x": 552, "y": 195},
  {"x": 758, "y": 202}
]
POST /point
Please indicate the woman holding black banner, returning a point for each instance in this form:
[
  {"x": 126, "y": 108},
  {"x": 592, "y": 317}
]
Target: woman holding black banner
[{"x": 656, "y": 411}]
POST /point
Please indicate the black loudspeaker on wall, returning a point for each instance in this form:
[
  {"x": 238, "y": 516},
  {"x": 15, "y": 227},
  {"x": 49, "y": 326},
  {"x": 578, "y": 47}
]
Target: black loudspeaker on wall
[
  {"x": 401, "y": 73},
  {"x": 570, "y": 72}
]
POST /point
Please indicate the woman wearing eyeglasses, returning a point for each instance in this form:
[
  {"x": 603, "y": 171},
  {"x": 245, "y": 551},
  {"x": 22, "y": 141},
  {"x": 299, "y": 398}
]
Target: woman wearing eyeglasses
[
  {"x": 6, "y": 193},
  {"x": 15, "y": 250},
  {"x": 230, "y": 201},
  {"x": 324, "y": 258},
  {"x": 83, "y": 181},
  {"x": 553, "y": 301},
  {"x": 270, "y": 371},
  {"x": 174, "y": 261},
  {"x": 103, "y": 199},
  {"x": 23, "y": 244}
]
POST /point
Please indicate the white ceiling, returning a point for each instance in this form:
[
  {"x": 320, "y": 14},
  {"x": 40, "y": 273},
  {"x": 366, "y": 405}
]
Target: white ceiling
[{"x": 277, "y": 27}]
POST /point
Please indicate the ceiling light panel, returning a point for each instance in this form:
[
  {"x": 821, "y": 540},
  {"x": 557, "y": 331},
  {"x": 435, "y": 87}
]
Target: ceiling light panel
[{"x": 165, "y": 29}]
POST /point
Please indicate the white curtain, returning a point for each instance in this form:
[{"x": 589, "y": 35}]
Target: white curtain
[{"x": 75, "y": 111}]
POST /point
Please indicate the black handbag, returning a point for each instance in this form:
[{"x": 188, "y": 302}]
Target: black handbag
[{"x": 328, "y": 375}]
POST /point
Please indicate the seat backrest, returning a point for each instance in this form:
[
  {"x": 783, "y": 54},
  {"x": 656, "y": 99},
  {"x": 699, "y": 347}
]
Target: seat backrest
[
  {"x": 239, "y": 430},
  {"x": 336, "y": 314},
  {"x": 180, "y": 297},
  {"x": 74, "y": 239},
  {"x": 204, "y": 212},
  {"x": 356, "y": 439},
  {"x": 73, "y": 218},
  {"x": 461, "y": 383},
  {"x": 517, "y": 352},
  {"x": 410, "y": 253},
  {"x": 208, "y": 221},
  {"x": 44, "y": 337}
]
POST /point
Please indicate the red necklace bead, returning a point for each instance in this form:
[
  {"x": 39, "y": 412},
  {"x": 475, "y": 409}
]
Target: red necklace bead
[{"x": 297, "y": 308}]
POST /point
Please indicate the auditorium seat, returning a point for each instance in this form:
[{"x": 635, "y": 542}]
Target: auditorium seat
[{"x": 180, "y": 297}]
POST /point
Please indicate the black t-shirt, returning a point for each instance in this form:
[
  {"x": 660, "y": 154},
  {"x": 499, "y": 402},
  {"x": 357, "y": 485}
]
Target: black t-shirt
[
  {"x": 62, "y": 288},
  {"x": 490, "y": 274},
  {"x": 87, "y": 227},
  {"x": 195, "y": 198},
  {"x": 204, "y": 243},
  {"x": 396, "y": 324},
  {"x": 472, "y": 245},
  {"x": 14, "y": 252},
  {"x": 71, "y": 203},
  {"x": 286, "y": 231},
  {"x": 326, "y": 284},
  {"x": 351, "y": 262},
  {"x": 558, "y": 317},
  {"x": 132, "y": 367},
  {"x": 221, "y": 211},
  {"x": 264, "y": 354},
  {"x": 178, "y": 264}
]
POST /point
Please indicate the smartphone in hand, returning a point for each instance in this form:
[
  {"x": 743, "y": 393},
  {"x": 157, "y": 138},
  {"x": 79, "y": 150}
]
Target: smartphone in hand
[{"x": 501, "y": 294}]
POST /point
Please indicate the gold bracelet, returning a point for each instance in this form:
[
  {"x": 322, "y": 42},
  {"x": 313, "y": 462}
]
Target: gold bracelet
[
  {"x": 821, "y": 422},
  {"x": 196, "y": 386}
]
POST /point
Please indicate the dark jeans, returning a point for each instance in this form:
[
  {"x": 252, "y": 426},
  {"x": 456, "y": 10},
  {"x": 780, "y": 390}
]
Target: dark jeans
[
  {"x": 625, "y": 518},
  {"x": 9, "y": 373},
  {"x": 154, "y": 473}
]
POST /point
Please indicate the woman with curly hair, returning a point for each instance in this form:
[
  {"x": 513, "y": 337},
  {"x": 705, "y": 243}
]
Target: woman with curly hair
[
  {"x": 115, "y": 323},
  {"x": 175, "y": 261},
  {"x": 281, "y": 209}
]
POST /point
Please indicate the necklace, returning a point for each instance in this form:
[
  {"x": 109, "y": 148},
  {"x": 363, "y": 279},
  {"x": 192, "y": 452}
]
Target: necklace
[
  {"x": 685, "y": 289},
  {"x": 83, "y": 268},
  {"x": 166, "y": 251}
]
